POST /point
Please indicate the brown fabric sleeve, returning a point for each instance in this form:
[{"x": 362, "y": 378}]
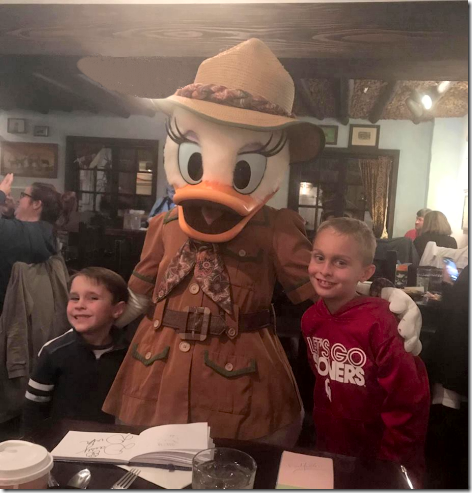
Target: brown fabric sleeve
[
  {"x": 292, "y": 251},
  {"x": 144, "y": 275}
]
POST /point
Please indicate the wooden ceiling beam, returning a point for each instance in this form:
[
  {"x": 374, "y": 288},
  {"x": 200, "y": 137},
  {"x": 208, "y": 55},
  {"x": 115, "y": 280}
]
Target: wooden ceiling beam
[
  {"x": 346, "y": 88},
  {"x": 75, "y": 87},
  {"x": 360, "y": 30},
  {"x": 383, "y": 100},
  {"x": 303, "y": 89}
]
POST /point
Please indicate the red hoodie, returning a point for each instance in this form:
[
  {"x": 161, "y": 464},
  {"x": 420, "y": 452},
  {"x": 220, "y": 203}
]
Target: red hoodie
[{"x": 371, "y": 397}]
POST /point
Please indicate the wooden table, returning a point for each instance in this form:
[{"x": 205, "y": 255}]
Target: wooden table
[{"x": 349, "y": 472}]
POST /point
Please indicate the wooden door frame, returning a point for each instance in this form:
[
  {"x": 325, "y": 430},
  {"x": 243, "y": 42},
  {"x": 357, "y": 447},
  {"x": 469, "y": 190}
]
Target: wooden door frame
[{"x": 295, "y": 171}]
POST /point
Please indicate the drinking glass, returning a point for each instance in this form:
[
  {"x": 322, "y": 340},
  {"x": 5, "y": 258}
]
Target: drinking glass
[{"x": 223, "y": 468}]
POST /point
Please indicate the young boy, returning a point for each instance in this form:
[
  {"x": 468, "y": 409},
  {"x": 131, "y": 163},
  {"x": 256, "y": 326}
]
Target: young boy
[
  {"x": 74, "y": 372},
  {"x": 371, "y": 398}
]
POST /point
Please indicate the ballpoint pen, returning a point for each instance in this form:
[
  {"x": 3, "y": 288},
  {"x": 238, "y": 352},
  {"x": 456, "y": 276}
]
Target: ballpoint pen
[{"x": 169, "y": 467}]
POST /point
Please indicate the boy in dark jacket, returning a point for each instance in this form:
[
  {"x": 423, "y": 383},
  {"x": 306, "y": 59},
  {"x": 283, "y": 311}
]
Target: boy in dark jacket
[
  {"x": 371, "y": 398},
  {"x": 75, "y": 371}
]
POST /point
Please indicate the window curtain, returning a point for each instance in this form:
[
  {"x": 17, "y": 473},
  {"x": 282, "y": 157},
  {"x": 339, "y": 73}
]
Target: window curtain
[{"x": 375, "y": 178}]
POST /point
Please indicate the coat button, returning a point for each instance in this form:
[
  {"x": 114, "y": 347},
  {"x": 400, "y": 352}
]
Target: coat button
[
  {"x": 242, "y": 253},
  {"x": 229, "y": 367},
  {"x": 184, "y": 347},
  {"x": 194, "y": 288},
  {"x": 157, "y": 323},
  {"x": 148, "y": 355},
  {"x": 232, "y": 332}
]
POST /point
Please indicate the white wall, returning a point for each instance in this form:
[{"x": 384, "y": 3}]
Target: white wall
[
  {"x": 84, "y": 125},
  {"x": 449, "y": 171}
]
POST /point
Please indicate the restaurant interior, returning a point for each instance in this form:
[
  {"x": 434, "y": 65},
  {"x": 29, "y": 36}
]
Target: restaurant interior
[{"x": 386, "y": 81}]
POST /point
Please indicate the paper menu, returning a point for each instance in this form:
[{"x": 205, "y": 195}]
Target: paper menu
[{"x": 305, "y": 472}]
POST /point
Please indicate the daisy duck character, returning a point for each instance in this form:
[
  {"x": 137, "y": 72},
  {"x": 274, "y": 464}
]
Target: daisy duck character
[{"x": 206, "y": 349}]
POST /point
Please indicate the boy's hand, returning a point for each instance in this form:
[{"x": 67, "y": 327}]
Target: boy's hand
[{"x": 410, "y": 318}]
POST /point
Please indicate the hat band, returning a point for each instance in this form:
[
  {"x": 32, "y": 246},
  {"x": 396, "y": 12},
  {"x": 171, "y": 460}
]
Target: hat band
[{"x": 231, "y": 97}]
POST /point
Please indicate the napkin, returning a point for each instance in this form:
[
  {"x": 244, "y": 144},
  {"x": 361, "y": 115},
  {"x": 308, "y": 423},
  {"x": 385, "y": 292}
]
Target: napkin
[{"x": 299, "y": 471}]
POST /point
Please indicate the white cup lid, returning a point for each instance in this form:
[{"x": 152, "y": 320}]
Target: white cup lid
[{"x": 21, "y": 462}]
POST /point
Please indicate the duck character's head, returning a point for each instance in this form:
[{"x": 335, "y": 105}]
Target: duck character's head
[{"x": 231, "y": 137}]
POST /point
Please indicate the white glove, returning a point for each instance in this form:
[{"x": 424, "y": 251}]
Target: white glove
[
  {"x": 137, "y": 305},
  {"x": 410, "y": 324}
]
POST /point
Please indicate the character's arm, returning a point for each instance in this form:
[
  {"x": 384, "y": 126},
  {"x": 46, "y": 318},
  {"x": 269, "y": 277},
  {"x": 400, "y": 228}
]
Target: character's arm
[
  {"x": 136, "y": 306},
  {"x": 291, "y": 253},
  {"x": 405, "y": 408},
  {"x": 143, "y": 278},
  {"x": 403, "y": 306}
]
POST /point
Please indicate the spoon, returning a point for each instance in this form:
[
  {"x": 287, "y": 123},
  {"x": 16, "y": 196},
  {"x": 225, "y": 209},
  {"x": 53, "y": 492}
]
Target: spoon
[{"x": 80, "y": 480}]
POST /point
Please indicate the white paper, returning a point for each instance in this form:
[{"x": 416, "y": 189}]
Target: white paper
[
  {"x": 170, "y": 443},
  {"x": 97, "y": 446},
  {"x": 175, "y": 480},
  {"x": 299, "y": 471}
]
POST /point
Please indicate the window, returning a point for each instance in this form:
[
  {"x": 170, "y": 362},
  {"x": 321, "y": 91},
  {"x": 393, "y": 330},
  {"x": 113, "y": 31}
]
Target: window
[
  {"x": 333, "y": 187},
  {"x": 112, "y": 175}
]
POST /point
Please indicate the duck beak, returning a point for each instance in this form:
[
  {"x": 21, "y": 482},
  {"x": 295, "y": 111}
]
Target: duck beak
[{"x": 231, "y": 211}]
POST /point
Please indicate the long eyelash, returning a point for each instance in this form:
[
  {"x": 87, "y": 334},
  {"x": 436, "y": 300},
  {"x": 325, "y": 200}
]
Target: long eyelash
[
  {"x": 177, "y": 138},
  {"x": 269, "y": 152}
]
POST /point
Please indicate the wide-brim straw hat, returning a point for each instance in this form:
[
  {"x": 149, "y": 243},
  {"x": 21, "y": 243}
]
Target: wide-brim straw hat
[{"x": 247, "y": 87}]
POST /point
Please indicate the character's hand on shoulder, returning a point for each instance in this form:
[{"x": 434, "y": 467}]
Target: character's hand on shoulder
[
  {"x": 404, "y": 307},
  {"x": 410, "y": 318}
]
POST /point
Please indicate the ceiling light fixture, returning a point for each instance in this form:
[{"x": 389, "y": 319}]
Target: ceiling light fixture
[{"x": 421, "y": 102}]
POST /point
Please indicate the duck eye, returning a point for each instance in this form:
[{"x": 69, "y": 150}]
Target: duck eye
[
  {"x": 249, "y": 172},
  {"x": 190, "y": 162}
]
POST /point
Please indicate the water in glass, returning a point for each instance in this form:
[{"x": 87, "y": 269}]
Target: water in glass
[{"x": 222, "y": 476}]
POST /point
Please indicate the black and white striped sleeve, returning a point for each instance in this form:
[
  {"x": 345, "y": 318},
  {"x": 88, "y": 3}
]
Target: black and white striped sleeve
[{"x": 39, "y": 392}]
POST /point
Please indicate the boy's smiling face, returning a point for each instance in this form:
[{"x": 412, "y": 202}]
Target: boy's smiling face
[
  {"x": 336, "y": 267},
  {"x": 91, "y": 310}
]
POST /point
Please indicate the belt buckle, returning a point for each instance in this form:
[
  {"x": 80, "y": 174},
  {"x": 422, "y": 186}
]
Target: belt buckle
[{"x": 201, "y": 313}]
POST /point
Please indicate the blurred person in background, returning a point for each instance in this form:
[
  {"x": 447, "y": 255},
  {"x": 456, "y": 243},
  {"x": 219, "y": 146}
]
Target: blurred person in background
[
  {"x": 414, "y": 233},
  {"x": 29, "y": 236},
  {"x": 447, "y": 439},
  {"x": 436, "y": 228}
]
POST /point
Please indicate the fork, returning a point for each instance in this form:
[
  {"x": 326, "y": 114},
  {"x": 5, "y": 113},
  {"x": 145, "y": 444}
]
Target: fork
[{"x": 125, "y": 482}]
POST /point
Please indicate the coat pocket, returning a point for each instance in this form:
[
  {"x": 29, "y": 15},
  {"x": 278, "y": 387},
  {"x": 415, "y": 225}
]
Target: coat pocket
[
  {"x": 225, "y": 383},
  {"x": 145, "y": 366}
]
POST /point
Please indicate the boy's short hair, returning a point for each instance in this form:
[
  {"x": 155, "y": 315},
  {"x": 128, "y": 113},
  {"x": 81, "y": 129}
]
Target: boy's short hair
[
  {"x": 358, "y": 230},
  {"x": 112, "y": 281}
]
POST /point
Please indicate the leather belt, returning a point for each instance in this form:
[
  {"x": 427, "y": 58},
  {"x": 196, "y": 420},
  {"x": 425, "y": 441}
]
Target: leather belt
[{"x": 196, "y": 323}]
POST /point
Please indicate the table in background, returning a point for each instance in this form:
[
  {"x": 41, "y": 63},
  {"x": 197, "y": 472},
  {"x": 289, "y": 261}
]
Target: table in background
[{"x": 349, "y": 472}]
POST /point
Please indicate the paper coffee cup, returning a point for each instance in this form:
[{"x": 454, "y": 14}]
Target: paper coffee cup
[{"x": 24, "y": 465}]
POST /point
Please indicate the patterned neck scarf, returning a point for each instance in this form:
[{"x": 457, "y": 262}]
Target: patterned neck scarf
[{"x": 209, "y": 271}]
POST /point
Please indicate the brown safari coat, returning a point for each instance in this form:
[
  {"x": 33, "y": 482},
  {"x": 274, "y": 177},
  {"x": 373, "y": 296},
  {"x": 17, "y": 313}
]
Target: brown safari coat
[{"x": 243, "y": 386}]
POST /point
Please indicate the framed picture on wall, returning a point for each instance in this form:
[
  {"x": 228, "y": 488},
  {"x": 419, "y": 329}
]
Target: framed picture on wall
[
  {"x": 331, "y": 134},
  {"x": 29, "y": 159},
  {"x": 364, "y": 136},
  {"x": 16, "y": 126},
  {"x": 41, "y": 131}
]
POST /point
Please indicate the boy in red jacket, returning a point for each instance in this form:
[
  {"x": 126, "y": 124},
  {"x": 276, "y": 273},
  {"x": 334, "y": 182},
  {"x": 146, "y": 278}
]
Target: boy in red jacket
[{"x": 371, "y": 398}]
